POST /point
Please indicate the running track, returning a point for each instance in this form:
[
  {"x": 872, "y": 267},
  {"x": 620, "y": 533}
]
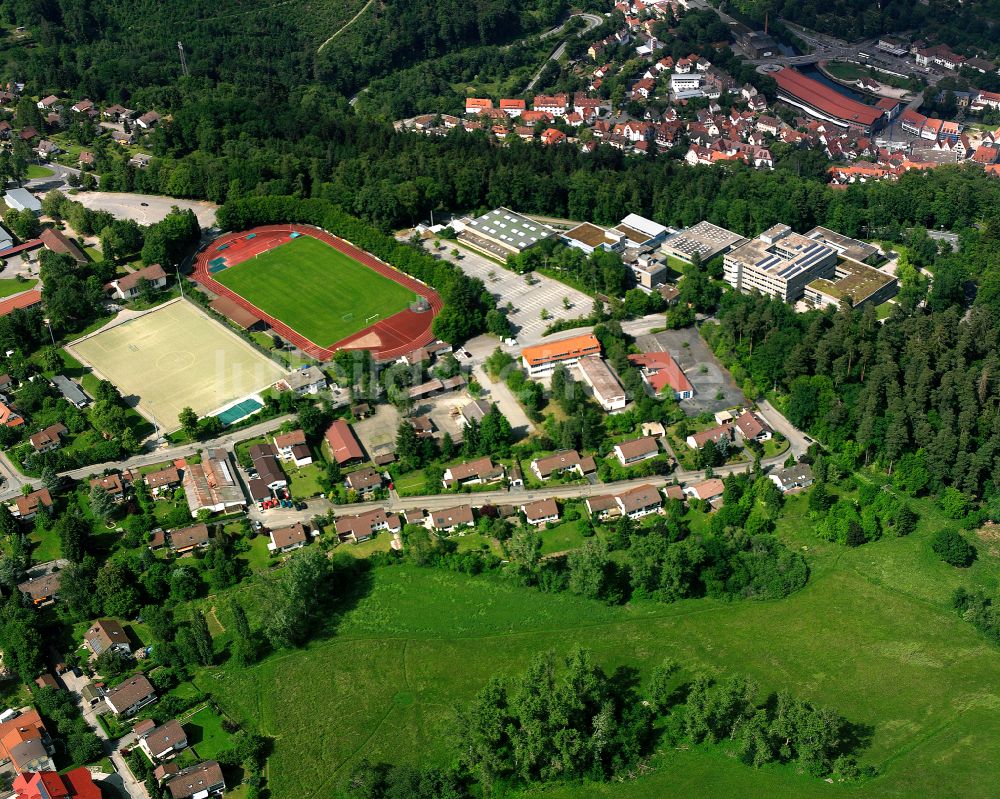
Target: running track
[{"x": 399, "y": 334}]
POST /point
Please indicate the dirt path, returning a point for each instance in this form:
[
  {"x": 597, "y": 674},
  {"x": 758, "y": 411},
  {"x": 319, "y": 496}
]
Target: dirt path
[{"x": 345, "y": 26}]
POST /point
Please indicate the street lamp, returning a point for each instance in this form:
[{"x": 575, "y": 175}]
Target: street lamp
[{"x": 48, "y": 324}]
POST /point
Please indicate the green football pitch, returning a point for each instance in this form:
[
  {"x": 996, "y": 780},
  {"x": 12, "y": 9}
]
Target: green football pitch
[{"x": 316, "y": 290}]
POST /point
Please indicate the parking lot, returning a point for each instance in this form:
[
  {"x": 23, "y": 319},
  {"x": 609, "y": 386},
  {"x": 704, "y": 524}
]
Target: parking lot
[
  {"x": 527, "y": 300},
  {"x": 145, "y": 209},
  {"x": 377, "y": 433},
  {"x": 708, "y": 376}
]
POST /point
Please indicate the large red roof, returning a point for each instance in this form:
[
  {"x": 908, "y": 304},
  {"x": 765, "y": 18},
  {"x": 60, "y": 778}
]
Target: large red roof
[
  {"x": 25, "y": 300},
  {"x": 825, "y": 99}
]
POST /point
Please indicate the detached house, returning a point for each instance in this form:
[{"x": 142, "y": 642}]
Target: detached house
[
  {"x": 752, "y": 428},
  {"x": 189, "y": 539},
  {"x": 541, "y": 512},
  {"x": 566, "y": 461},
  {"x": 451, "y": 519},
  {"x": 107, "y": 634},
  {"x": 639, "y": 502},
  {"x": 798, "y": 476},
  {"x": 292, "y": 447},
  {"x": 364, "y": 480},
  {"x": 163, "y": 742},
  {"x": 48, "y": 439},
  {"x": 25, "y": 507},
  {"x": 131, "y": 696},
  {"x": 113, "y": 484},
  {"x": 363, "y": 526},
  {"x": 197, "y": 782},
  {"x": 639, "y": 449},
  {"x": 285, "y": 539},
  {"x": 129, "y": 286},
  {"x": 699, "y": 440},
  {"x": 481, "y": 470}
]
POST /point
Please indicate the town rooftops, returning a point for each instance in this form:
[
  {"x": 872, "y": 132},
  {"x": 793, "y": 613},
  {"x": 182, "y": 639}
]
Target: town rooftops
[
  {"x": 562, "y": 349},
  {"x": 343, "y": 443}
]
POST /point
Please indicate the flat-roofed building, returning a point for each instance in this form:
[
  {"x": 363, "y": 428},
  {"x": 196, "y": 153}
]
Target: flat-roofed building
[
  {"x": 844, "y": 245},
  {"x": 603, "y": 382},
  {"x": 542, "y": 359},
  {"x": 855, "y": 282},
  {"x": 779, "y": 263},
  {"x": 588, "y": 237},
  {"x": 705, "y": 239},
  {"x": 509, "y": 231}
]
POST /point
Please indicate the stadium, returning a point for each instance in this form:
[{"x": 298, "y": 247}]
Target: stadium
[{"x": 320, "y": 292}]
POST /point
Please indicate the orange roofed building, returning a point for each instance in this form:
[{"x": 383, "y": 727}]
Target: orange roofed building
[{"x": 543, "y": 358}]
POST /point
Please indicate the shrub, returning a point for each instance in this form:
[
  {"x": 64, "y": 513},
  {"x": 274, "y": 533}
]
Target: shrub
[{"x": 953, "y": 549}]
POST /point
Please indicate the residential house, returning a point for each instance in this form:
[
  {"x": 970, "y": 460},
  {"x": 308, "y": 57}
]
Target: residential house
[
  {"x": 639, "y": 502},
  {"x": 265, "y": 462},
  {"x": 285, "y": 539},
  {"x": 25, "y": 745},
  {"x": 343, "y": 444},
  {"x": 363, "y": 526},
  {"x": 26, "y": 506},
  {"x": 364, "y": 480},
  {"x": 148, "y": 121},
  {"x": 451, "y": 519},
  {"x": 48, "y": 439},
  {"x": 602, "y": 506},
  {"x": 423, "y": 426},
  {"x": 715, "y": 434},
  {"x": 48, "y": 103},
  {"x": 566, "y": 461},
  {"x": 131, "y": 696},
  {"x": 292, "y": 447},
  {"x": 307, "y": 380},
  {"x": 197, "y": 782},
  {"x": 188, "y": 539},
  {"x": 112, "y": 484},
  {"x": 555, "y": 105},
  {"x": 512, "y": 108},
  {"x": 41, "y": 590},
  {"x": 798, "y": 476},
  {"x": 129, "y": 286},
  {"x": 752, "y": 428},
  {"x": 707, "y": 490},
  {"x": 552, "y": 136},
  {"x": 77, "y": 783},
  {"x": 541, "y": 512},
  {"x": 638, "y": 449},
  {"x": 477, "y": 105},
  {"x": 474, "y": 472},
  {"x": 9, "y": 417},
  {"x": 163, "y": 480},
  {"x": 105, "y": 634},
  {"x": 163, "y": 742}
]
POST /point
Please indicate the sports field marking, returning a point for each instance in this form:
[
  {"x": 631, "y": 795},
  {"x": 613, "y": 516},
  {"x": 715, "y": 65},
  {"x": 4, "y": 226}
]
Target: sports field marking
[
  {"x": 176, "y": 357},
  {"x": 315, "y": 289}
]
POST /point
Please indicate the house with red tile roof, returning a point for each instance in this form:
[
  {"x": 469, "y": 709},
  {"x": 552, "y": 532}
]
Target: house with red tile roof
[
  {"x": 75, "y": 784},
  {"x": 343, "y": 443}
]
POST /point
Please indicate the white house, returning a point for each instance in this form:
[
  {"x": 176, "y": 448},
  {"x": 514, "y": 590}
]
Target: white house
[{"x": 128, "y": 287}]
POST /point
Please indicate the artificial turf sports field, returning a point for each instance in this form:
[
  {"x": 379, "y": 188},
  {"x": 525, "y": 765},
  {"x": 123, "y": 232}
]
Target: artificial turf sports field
[
  {"x": 316, "y": 290},
  {"x": 871, "y": 635},
  {"x": 176, "y": 357}
]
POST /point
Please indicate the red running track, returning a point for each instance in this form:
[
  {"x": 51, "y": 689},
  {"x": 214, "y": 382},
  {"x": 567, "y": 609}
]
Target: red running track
[{"x": 388, "y": 339}]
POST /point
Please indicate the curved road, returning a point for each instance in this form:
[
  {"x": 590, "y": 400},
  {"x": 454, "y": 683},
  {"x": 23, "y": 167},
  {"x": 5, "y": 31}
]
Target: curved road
[{"x": 591, "y": 21}]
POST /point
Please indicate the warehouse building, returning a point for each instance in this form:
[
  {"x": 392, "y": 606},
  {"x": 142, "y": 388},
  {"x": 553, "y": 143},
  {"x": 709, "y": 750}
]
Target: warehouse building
[
  {"x": 603, "y": 382},
  {"x": 704, "y": 239},
  {"x": 504, "y": 232}
]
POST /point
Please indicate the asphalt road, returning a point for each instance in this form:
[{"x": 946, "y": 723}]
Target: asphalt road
[
  {"x": 59, "y": 179},
  {"x": 591, "y": 21}
]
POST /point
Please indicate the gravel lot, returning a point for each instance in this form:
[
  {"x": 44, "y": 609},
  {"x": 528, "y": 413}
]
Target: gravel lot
[
  {"x": 130, "y": 206},
  {"x": 708, "y": 376}
]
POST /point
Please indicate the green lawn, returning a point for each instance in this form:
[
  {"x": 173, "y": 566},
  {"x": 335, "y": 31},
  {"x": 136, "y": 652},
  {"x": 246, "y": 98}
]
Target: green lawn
[
  {"x": 38, "y": 171},
  {"x": 11, "y": 286},
  {"x": 871, "y": 636},
  {"x": 45, "y": 548},
  {"x": 205, "y": 733},
  {"x": 258, "y": 558},
  {"x": 562, "y": 537},
  {"x": 316, "y": 290},
  {"x": 304, "y": 482}
]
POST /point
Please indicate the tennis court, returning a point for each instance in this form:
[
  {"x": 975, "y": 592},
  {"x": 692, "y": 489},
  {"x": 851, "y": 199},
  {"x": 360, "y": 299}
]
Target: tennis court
[
  {"x": 315, "y": 289},
  {"x": 176, "y": 357}
]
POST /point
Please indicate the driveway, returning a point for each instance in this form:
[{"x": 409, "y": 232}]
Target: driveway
[
  {"x": 146, "y": 209},
  {"x": 797, "y": 440},
  {"x": 59, "y": 179},
  {"x": 125, "y": 780}
]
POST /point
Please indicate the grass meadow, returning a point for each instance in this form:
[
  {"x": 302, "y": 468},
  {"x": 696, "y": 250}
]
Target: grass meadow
[
  {"x": 316, "y": 290},
  {"x": 871, "y": 635}
]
